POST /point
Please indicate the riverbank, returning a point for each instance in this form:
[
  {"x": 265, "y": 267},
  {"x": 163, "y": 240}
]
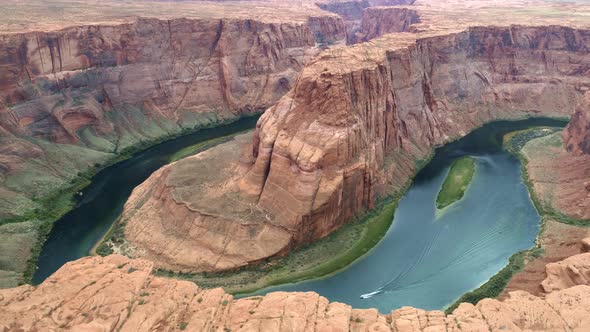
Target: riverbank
[
  {"x": 538, "y": 255},
  {"x": 249, "y": 280},
  {"x": 290, "y": 269},
  {"x": 343, "y": 247},
  {"x": 61, "y": 201}
]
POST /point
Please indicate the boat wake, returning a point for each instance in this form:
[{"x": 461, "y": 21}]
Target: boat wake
[{"x": 370, "y": 295}]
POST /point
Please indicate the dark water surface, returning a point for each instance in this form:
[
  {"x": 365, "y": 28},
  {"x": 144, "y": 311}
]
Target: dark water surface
[
  {"x": 429, "y": 258},
  {"x": 74, "y": 235}
]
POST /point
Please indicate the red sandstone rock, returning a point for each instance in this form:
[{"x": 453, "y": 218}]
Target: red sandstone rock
[
  {"x": 377, "y": 21},
  {"x": 577, "y": 133},
  {"x": 171, "y": 67},
  {"x": 342, "y": 137},
  {"x": 572, "y": 271},
  {"x": 117, "y": 294},
  {"x": 358, "y": 120}
]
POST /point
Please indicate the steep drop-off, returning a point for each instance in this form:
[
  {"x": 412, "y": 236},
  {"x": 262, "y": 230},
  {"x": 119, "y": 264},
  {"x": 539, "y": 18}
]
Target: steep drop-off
[
  {"x": 109, "y": 87},
  {"x": 73, "y": 99},
  {"x": 377, "y": 21},
  {"x": 358, "y": 122},
  {"x": 366, "y": 19},
  {"x": 335, "y": 143},
  {"x": 577, "y": 133}
]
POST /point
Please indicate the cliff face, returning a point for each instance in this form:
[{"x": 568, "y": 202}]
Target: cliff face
[
  {"x": 353, "y": 127},
  {"x": 55, "y": 84},
  {"x": 71, "y": 98},
  {"x": 117, "y": 294},
  {"x": 365, "y": 21},
  {"x": 577, "y": 133},
  {"x": 377, "y": 21},
  {"x": 352, "y": 130},
  {"x": 105, "y": 88}
]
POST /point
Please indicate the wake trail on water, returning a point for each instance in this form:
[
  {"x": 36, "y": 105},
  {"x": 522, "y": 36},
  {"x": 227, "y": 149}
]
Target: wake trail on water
[
  {"x": 407, "y": 270},
  {"x": 490, "y": 237}
]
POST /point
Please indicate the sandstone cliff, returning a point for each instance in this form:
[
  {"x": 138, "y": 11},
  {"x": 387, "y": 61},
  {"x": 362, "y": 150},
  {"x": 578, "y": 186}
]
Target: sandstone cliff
[
  {"x": 117, "y": 294},
  {"x": 107, "y": 87},
  {"x": 577, "y": 133},
  {"x": 352, "y": 128},
  {"x": 355, "y": 125},
  {"x": 377, "y": 21},
  {"x": 366, "y": 19},
  {"x": 73, "y": 98},
  {"x": 56, "y": 84}
]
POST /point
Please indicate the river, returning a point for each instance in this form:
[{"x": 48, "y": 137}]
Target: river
[
  {"x": 427, "y": 259},
  {"x": 101, "y": 203}
]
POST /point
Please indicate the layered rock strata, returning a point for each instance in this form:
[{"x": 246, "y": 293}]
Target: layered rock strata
[
  {"x": 73, "y": 98},
  {"x": 366, "y": 19},
  {"x": 577, "y": 133},
  {"x": 55, "y": 84},
  {"x": 359, "y": 119},
  {"x": 187, "y": 217},
  {"x": 117, "y": 294},
  {"x": 378, "y": 21}
]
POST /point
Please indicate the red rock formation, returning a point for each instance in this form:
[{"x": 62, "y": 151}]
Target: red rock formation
[
  {"x": 364, "y": 22},
  {"x": 350, "y": 130},
  {"x": 117, "y": 294},
  {"x": 57, "y": 83},
  {"x": 355, "y": 126},
  {"x": 558, "y": 177},
  {"x": 377, "y": 21},
  {"x": 577, "y": 133}
]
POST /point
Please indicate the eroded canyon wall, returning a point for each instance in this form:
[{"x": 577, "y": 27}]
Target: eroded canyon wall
[
  {"x": 366, "y": 19},
  {"x": 577, "y": 133},
  {"x": 107, "y": 87},
  {"x": 377, "y": 21},
  {"x": 355, "y": 126},
  {"x": 72, "y": 100}
]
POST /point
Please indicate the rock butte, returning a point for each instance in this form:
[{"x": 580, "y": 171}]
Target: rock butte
[
  {"x": 115, "y": 293},
  {"x": 352, "y": 130}
]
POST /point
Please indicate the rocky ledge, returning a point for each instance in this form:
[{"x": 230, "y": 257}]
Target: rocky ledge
[{"x": 114, "y": 293}]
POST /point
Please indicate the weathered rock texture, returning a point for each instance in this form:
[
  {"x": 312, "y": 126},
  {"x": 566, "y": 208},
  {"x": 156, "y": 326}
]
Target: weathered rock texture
[
  {"x": 335, "y": 143},
  {"x": 577, "y": 133},
  {"x": 364, "y": 22},
  {"x": 559, "y": 178},
  {"x": 187, "y": 217},
  {"x": 359, "y": 119},
  {"x": 117, "y": 294},
  {"x": 377, "y": 21},
  {"x": 72, "y": 98},
  {"x": 174, "y": 68}
]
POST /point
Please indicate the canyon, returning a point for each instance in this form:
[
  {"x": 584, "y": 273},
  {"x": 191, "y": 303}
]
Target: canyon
[
  {"x": 353, "y": 130},
  {"x": 79, "y": 93},
  {"x": 356, "y": 96}
]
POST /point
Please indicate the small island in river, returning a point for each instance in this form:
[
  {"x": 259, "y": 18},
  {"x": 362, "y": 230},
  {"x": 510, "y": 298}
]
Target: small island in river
[{"x": 456, "y": 182}]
